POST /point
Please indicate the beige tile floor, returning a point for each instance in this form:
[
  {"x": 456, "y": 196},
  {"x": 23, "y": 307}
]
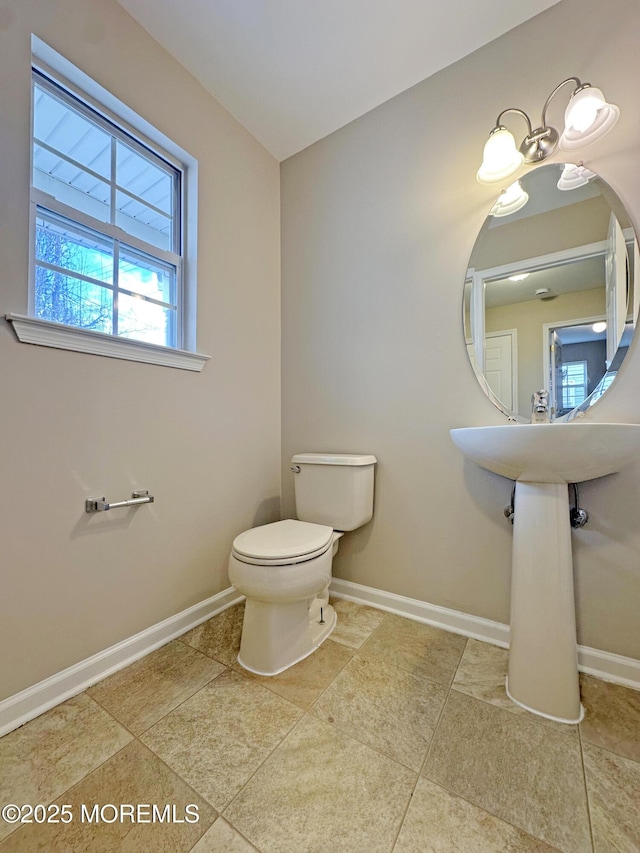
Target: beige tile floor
[{"x": 393, "y": 736}]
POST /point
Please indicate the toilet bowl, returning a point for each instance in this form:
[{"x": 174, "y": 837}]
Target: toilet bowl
[{"x": 284, "y": 570}]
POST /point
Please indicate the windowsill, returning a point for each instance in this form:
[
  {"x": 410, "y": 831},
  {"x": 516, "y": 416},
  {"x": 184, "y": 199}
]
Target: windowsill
[{"x": 46, "y": 333}]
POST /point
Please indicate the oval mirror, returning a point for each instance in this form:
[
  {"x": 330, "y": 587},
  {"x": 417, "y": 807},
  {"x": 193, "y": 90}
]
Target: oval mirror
[{"x": 552, "y": 292}]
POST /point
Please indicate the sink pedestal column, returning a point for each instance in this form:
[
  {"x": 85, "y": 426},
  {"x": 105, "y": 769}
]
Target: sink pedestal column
[{"x": 543, "y": 656}]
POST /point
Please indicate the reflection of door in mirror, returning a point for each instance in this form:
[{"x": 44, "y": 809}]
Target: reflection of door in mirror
[
  {"x": 616, "y": 287},
  {"x": 556, "y": 379},
  {"x": 500, "y": 365}
]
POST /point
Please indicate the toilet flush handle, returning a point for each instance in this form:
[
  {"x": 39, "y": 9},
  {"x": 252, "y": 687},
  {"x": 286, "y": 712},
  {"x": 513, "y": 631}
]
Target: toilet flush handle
[{"x": 296, "y": 469}]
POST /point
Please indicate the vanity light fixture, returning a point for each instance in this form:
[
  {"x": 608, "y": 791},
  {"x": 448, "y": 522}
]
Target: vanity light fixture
[
  {"x": 588, "y": 117},
  {"x": 599, "y": 327},
  {"x": 510, "y": 200}
]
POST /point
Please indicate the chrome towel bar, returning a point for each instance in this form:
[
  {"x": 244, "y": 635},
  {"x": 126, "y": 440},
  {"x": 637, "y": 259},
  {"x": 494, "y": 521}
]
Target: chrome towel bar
[{"x": 140, "y": 496}]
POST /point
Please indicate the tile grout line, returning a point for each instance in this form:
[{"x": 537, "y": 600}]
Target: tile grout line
[
  {"x": 424, "y": 761},
  {"x": 86, "y": 775},
  {"x": 305, "y": 713},
  {"x": 187, "y": 784},
  {"x": 309, "y": 713},
  {"x": 136, "y": 738},
  {"x": 234, "y": 828},
  {"x": 444, "y": 704},
  {"x": 220, "y": 813},
  {"x": 19, "y": 826},
  {"x": 421, "y": 775},
  {"x": 527, "y": 715},
  {"x": 262, "y": 763},
  {"x": 324, "y": 689},
  {"x": 428, "y": 750},
  {"x": 586, "y": 790},
  {"x": 376, "y": 749},
  {"x": 610, "y": 751},
  {"x": 455, "y": 793},
  {"x": 184, "y": 782},
  {"x": 249, "y": 681},
  {"x": 170, "y": 711}
]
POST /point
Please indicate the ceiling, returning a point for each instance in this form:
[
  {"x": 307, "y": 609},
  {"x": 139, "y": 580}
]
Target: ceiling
[{"x": 293, "y": 71}]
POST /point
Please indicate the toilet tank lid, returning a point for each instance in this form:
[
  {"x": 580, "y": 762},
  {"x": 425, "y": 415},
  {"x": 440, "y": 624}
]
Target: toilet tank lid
[{"x": 333, "y": 459}]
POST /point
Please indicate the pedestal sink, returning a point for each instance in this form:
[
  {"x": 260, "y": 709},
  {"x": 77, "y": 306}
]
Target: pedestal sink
[{"x": 543, "y": 459}]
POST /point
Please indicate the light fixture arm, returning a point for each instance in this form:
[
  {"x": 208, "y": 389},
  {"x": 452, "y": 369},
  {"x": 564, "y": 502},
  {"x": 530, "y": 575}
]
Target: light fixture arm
[
  {"x": 519, "y": 112},
  {"x": 579, "y": 86},
  {"x": 544, "y": 131}
]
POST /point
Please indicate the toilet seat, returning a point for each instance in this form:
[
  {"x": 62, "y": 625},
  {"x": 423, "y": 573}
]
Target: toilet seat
[{"x": 282, "y": 543}]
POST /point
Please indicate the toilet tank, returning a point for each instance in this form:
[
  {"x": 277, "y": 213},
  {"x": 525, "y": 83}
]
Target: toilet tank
[{"x": 335, "y": 489}]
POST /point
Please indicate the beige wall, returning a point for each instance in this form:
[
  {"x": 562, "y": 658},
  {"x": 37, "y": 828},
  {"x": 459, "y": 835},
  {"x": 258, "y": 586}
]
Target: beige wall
[
  {"x": 378, "y": 221},
  {"x": 543, "y": 234},
  {"x": 74, "y": 425}
]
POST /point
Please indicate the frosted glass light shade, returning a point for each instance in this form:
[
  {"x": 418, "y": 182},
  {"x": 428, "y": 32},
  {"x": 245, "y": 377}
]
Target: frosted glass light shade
[
  {"x": 587, "y": 118},
  {"x": 501, "y": 158},
  {"x": 573, "y": 177},
  {"x": 512, "y": 199}
]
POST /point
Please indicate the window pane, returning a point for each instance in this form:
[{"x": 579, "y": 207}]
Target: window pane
[
  {"x": 574, "y": 383},
  {"x": 69, "y": 300},
  {"x": 69, "y": 131},
  {"x": 73, "y": 247},
  {"x": 71, "y": 155},
  {"x": 71, "y": 184},
  {"x": 143, "y": 178},
  {"x": 146, "y": 276},
  {"x": 142, "y": 221},
  {"x": 145, "y": 321},
  {"x": 146, "y": 208}
]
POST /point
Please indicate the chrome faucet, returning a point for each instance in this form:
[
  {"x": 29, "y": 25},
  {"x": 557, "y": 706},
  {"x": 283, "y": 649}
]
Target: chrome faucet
[{"x": 540, "y": 407}]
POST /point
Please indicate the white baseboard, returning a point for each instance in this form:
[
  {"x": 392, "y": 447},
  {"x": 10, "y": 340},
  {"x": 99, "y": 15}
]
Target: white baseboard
[
  {"x": 605, "y": 665},
  {"x": 609, "y": 667},
  {"x": 24, "y": 706}
]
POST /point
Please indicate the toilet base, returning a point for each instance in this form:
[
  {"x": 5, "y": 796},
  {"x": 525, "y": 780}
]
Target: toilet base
[{"x": 277, "y": 636}]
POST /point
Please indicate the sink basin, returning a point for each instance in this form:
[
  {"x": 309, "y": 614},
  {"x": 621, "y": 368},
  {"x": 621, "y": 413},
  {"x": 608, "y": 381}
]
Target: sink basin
[
  {"x": 543, "y": 459},
  {"x": 550, "y": 453}
]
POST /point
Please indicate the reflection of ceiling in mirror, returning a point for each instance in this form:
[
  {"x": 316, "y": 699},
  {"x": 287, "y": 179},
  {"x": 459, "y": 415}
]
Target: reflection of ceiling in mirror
[
  {"x": 585, "y": 334},
  {"x": 580, "y": 334},
  {"x": 545, "y": 195},
  {"x": 579, "y": 275},
  {"x": 517, "y": 242}
]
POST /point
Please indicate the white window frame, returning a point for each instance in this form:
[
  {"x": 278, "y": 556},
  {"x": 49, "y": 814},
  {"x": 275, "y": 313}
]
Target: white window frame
[{"x": 48, "y": 333}]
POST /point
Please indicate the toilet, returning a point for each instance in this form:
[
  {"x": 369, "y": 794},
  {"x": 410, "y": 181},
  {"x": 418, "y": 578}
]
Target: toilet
[{"x": 284, "y": 568}]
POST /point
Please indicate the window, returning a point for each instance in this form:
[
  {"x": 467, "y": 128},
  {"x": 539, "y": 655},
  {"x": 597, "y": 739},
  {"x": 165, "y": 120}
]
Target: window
[
  {"x": 110, "y": 259},
  {"x": 107, "y": 234},
  {"x": 574, "y": 384}
]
